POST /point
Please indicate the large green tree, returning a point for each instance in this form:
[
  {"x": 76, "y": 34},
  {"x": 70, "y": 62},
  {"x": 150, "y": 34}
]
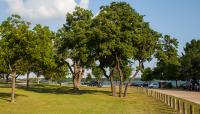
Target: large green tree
[
  {"x": 122, "y": 36},
  {"x": 74, "y": 38}
]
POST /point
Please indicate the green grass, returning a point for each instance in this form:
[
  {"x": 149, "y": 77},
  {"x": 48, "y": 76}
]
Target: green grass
[{"x": 60, "y": 100}]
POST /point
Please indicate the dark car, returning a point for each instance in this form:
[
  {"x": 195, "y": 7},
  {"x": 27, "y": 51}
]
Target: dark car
[
  {"x": 191, "y": 86},
  {"x": 145, "y": 85},
  {"x": 136, "y": 84},
  {"x": 95, "y": 83}
]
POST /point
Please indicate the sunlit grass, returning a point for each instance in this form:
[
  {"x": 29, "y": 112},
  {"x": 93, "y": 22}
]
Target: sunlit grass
[{"x": 60, "y": 100}]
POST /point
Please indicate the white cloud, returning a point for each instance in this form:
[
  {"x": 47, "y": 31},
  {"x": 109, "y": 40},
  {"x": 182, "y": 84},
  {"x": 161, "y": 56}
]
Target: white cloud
[
  {"x": 41, "y": 9},
  {"x": 47, "y": 12},
  {"x": 84, "y": 4}
]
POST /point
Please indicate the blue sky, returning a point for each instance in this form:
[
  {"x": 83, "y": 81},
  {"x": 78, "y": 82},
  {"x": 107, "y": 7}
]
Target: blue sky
[{"x": 178, "y": 18}]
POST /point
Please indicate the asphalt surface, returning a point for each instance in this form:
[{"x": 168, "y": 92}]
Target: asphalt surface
[{"x": 187, "y": 95}]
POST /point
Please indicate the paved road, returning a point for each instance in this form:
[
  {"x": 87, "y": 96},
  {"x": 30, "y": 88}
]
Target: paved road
[{"x": 188, "y": 95}]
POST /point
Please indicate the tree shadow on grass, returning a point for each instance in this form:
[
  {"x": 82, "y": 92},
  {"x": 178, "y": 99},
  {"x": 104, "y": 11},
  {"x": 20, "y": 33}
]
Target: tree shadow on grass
[
  {"x": 64, "y": 90},
  {"x": 6, "y": 96},
  {"x": 5, "y": 85},
  {"x": 163, "y": 108}
]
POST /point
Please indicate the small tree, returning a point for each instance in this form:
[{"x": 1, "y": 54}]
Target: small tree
[
  {"x": 42, "y": 53},
  {"x": 88, "y": 78},
  {"x": 190, "y": 60},
  {"x": 56, "y": 73},
  {"x": 147, "y": 74},
  {"x": 168, "y": 61},
  {"x": 14, "y": 35},
  {"x": 98, "y": 73}
]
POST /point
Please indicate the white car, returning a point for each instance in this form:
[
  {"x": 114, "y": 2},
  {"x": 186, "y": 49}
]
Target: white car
[{"x": 154, "y": 85}]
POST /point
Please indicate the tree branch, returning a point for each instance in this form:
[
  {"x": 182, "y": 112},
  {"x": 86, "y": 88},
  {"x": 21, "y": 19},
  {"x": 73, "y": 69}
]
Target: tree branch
[
  {"x": 70, "y": 68},
  {"x": 137, "y": 71},
  {"x": 104, "y": 72}
]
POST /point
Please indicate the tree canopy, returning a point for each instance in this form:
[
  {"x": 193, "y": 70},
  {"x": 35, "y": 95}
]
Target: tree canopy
[{"x": 74, "y": 39}]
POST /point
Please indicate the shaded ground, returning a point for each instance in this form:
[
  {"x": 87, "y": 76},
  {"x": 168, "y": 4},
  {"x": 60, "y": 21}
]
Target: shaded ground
[
  {"x": 188, "y": 95},
  {"x": 90, "y": 100}
]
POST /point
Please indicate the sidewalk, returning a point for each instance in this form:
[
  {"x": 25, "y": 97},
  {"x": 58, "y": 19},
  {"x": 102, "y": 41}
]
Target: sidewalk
[{"x": 188, "y": 95}]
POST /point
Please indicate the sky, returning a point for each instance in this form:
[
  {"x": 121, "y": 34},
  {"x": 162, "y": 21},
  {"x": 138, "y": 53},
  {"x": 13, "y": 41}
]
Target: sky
[{"x": 177, "y": 18}]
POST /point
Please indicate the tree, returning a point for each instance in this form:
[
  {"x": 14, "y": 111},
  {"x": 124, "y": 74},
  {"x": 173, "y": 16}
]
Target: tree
[
  {"x": 74, "y": 37},
  {"x": 168, "y": 60},
  {"x": 88, "y": 78},
  {"x": 41, "y": 50},
  {"x": 190, "y": 63},
  {"x": 147, "y": 74},
  {"x": 13, "y": 44},
  {"x": 121, "y": 35},
  {"x": 145, "y": 42},
  {"x": 56, "y": 73},
  {"x": 97, "y": 72},
  {"x": 110, "y": 26}
]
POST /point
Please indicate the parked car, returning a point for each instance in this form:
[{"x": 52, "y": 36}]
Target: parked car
[
  {"x": 136, "y": 84},
  {"x": 84, "y": 83},
  {"x": 145, "y": 85},
  {"x": 95, "y": 83},
  {"x": 165, "y": 84},
  {"x": 154, "y": 85},
  {"x": 189, "y": 86}
]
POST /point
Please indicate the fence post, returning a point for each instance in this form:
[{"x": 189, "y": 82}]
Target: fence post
[
  {"x": 168, "y": 99},
  {"x": 171, "y": 102},
  {"x": 180, "y": 106},
  {"x": 191, "y": 110},
  {"x": 184, "y": 108},
  {"x": 176, "y": 104},
  {"x": 165, "y": 99}
]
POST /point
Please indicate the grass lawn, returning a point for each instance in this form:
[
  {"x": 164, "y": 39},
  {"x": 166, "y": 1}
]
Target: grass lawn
[{"x": 90, "y": 100}]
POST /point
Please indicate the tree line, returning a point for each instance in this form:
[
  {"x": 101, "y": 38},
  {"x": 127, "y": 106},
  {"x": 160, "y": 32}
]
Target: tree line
[
  {"x": 184, "y": 67},
  {"x": 113, "y": 42}
]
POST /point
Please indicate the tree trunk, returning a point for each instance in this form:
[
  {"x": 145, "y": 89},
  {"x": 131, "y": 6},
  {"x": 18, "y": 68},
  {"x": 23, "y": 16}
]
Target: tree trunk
[
  {"x": 121, "y": 77},
  {"x": 120, "y": 85},
  {"x": 113, "y": 88},
  {"x": 77, "y": 75},
  {"x": 27, "y": 80},
  {"x": 176, "y": 84},
  {"x": 3, "y": 76},
  {"x": 75, "y": 84},
  {"x": 7, "y": 78},
  {"x": 38, "y": 78},
  {"x": 129, "y": 82},
  {"x": 13, "y": 87},
  {"x": 80, "y": 76},
  {"x": 50, "y": 81},
  {"x": 110, "y": 78}
]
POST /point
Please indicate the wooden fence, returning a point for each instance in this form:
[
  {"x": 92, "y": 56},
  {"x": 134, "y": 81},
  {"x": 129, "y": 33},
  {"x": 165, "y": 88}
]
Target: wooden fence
[{"x": 182, "y": 106}]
